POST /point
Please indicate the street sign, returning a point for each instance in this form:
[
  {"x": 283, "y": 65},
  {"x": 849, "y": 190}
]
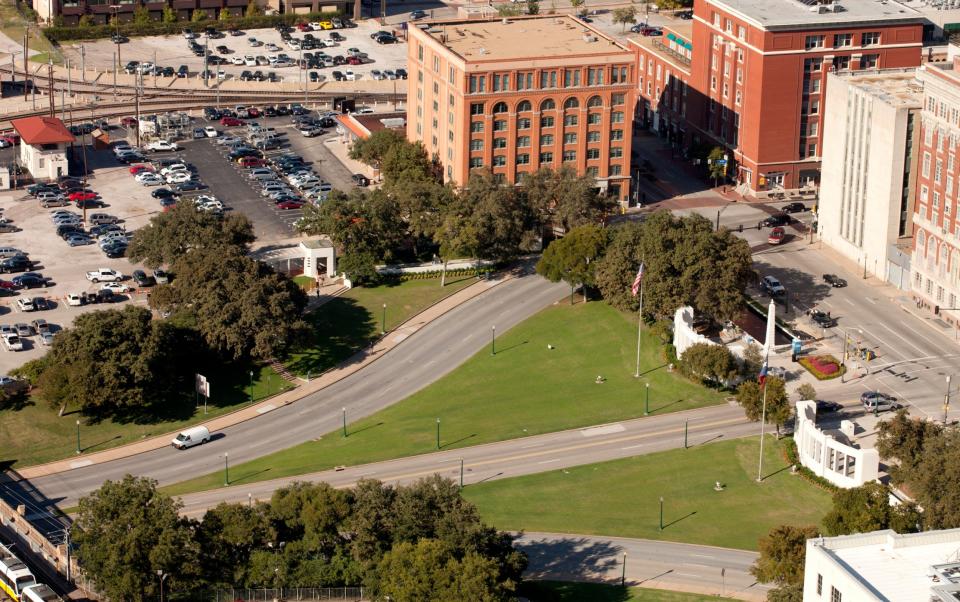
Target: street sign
[{"x": 202, "y": 385}]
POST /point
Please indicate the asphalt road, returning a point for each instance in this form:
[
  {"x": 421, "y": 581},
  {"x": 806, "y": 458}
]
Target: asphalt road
[
  {"x": 517, "y": 457},
  {"x": 655, "y": 564},
  {"x": 435, "y": 350}
]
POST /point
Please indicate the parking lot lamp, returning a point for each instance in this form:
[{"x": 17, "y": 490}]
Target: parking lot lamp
[
  {"x": 383, "y": 321},
  {"x": 251, "y": 386},
  {"x": 646, "y": 401},
  {"x": 226, "y": 469},
  {"x": 661, "y": 513},
  {"x": 116, "y": 18},
  {"x": 78, "y": 438},
  {"x": 946, "y": 400}
]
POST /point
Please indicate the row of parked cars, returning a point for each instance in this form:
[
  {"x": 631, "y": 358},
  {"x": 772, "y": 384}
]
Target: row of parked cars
[
  {"x": 286, "y": 180},
  {"x": 64, "y": 192},
  {"x": 13, "y": 335},
  {"x": 16, "y": 261}
]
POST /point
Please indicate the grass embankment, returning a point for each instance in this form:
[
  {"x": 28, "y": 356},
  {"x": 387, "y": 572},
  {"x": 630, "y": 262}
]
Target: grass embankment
[
  {"x": 525, "y": 389},
  {"x": 353, "y": 320},
  {"x": 33, "y": 433},
  {"x": 566, "y": 591},
  {"x": 621, "y": 497}
]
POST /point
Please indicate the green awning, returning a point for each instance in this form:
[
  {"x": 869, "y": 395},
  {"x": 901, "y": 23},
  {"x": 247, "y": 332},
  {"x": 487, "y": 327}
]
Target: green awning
[
  {"x": 671, "y": 36},
  {"x": 686, "y": 44},
  {"x": 951, "y": 27}
]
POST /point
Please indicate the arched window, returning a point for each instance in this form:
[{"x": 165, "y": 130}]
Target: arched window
[
  {"x": 944, "y": 258},
  {"x": 572, "y": 103},
  {"x": 500, "y": 107},
  {"x": 931, "y": 253},
  {"x": 524, "y": 105},
  {"x": 921, "y": 241},
  {"x": 548, "y": 105},
  {"x": 595, "y": 101}
]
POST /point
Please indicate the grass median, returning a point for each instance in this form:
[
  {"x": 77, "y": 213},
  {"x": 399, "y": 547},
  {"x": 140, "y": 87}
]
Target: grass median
[
  {"x": 568, "y": 591},
  {"x": 542, "y": 379},
  {"x": 32, "y": 432},
  {"x": 621, "y": 497},
  {"x": 353, "y": 320}
]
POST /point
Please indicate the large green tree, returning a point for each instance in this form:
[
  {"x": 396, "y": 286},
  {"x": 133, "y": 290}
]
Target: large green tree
[
  {"x": 935, "y": 481},
  {"x": 125, "y": 532},
  {"x": 373, "y": 149},
  {"x": 172, "y": 234},
  {"x": 563, "y": 199},
  {"x": 115, "y": 363},
  {"x": 573, "y": 258},
  {"x": 750, "y": 396},
  {"x": 902, "y": 439},
  {"x": 228, "y": 535},
  {"x": 782, "y": 554},
  {"x": 708, "y": 363},
  {"x": 241, "y": 307},
  {"x": 867, "y": 508},
  {"x": 686, "y": 263}
]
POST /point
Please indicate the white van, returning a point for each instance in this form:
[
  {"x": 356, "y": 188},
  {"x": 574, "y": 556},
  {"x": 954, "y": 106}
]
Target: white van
[{"x": 190, "y": 437}]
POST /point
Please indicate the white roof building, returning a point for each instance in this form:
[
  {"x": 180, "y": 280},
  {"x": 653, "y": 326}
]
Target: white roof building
[{"x": 917, "y": 567}]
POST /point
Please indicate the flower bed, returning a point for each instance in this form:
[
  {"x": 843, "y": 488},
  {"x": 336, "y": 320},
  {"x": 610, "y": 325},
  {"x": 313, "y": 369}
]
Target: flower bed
[{"x": 823, "y": 367}]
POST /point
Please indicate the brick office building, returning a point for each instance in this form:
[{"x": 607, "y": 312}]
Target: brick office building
[
  {"x": 756, "y": 77},
  {"x": 522, "y": 93},
  {"x": 663, "y": 78}
]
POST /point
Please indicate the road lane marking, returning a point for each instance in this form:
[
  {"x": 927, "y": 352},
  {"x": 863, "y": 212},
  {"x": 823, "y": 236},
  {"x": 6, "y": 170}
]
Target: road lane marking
[
  {"x": 849, "y": 301},
  {"x": 532, "y": 445},
  {"x": 549, "y": 461},
  {"x": 603, "y": 430},
  {"x": 81, "y": 463},
  {"x": 894, "y": 333},
  {"x": 870, "y": 300},
  {"x": 634, "y": 446}
]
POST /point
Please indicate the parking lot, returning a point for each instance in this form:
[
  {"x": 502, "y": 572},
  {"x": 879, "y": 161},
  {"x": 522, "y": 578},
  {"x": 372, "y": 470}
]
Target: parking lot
[{"x": 173, "y": 51}]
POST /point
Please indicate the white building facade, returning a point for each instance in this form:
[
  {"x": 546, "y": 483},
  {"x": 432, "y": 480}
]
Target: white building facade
[
  {"x": 43, "y": 146},
  {"x": 828, "y": 457},
  {"x": 869, "y": 156}
]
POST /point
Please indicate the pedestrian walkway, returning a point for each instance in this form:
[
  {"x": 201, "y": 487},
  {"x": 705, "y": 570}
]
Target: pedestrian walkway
[{"x": 358, "y": 362}]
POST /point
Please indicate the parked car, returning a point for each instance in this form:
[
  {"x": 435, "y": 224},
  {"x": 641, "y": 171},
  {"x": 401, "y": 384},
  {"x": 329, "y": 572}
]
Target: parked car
[
  {"x": 777, "y": 235},
  {"x": 834, "y": 280},
  {"x": 772, "y": 286},
  {"x": 795, "y": 207},
  {"x": 875, "y": 401},
  {"x": 29, "y": 280},
  {"x": 360, "y": 180},
  {"x": 821, "y": 318}
]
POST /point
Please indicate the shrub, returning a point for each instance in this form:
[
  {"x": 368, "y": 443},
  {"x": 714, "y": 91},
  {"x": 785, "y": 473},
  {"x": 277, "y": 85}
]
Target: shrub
[{"x": 823, "y": 367}]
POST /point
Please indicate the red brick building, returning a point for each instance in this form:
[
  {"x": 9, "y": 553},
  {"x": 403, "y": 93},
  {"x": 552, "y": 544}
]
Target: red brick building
[
  {"x": 757, "y": 75},
  {"x": 663, "y": 78}
]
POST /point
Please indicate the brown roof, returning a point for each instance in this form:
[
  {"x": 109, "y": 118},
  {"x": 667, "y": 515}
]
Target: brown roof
[{"x": 42, "y": 130}]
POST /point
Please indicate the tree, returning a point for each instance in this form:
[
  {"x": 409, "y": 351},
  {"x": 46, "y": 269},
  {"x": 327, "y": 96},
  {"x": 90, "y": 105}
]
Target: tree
[
  {"x": 577, "y": 4},
  {"x": 405, "y": 161},
  {"x": 241, "y": 307},
  {"x": 708, "y": 363},
  {"x": 625, "y": 15},
  {"x": 141, "y": 15},
  {"x": 786, "y": 593},
  {"x": 750, "y": 396},
  {"x": 421, "y": 204},
  {"x": 782, "y": 554},
  {"x": 806, "y": 391},
  {"x": 508, "y": 10},
  {"x": 373, "y": 149},
  {"x": 935, "y": 480},
  {"x": 752, "y": 360},
  {"x": 573, "y": 258},
  {"x": 115, "y": 363},
  {"x": 224, "y": 14},
  {"x": 172, "y": 234},
  {"x": 717, "y": 161},
  {"x": 488, "y": 222},
  {"x": 125, "y": 532},
  {"x": 169, "y": 15},
  {"x": 673, "y": 4},
  {"x": 228, "y": 536},
  {"x": 533, "y": 7},
  {"x": 564, "y": 199},
  {"x": 903, "y": 439},
  {"x": 867, "y": 508},
  {"x": 252, "y": 10},
  {"x": 685, "y": 263},
  {"x": 371, "y": 521},
  {"x": 198, "y": 16},
  {"x": 85, "y": 21}
]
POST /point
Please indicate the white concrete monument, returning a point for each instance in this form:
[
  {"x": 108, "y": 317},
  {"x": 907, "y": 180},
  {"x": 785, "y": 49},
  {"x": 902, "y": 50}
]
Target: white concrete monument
[{"x": 771, "y": 329}]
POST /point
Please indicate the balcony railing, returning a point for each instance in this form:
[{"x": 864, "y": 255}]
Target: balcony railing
[{"x": 671, "y": 52}]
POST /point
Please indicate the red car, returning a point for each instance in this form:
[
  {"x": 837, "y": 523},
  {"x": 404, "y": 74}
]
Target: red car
[
  {"x": 128, "y": 122},
  {"x": 777, "y": 235},
  {"x": 252, "y": 162},
  {"x": 354, "y": 60},
  {"x": 304, "y": 27},
  {"x": 11, "y": 139},
  {"x": 81, "y": 196},
  {"x": 289, "y": 205},
  {"x": 7, "y": 285},
  {"x": 136, "y": 169},
  {"x": 231, "y": 121},
  {"x": 253, "y": 112}
]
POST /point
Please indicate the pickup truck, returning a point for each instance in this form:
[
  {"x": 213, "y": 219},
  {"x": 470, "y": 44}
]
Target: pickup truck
[
  {"x": 104, "y": 275},
  {"x": 162, "y": 145}
]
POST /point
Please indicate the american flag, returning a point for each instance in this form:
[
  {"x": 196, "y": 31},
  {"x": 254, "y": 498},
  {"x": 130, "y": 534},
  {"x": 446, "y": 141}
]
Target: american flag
[
  {"x": 636, "y": 281},
  {"x": 763, "y": 374}
]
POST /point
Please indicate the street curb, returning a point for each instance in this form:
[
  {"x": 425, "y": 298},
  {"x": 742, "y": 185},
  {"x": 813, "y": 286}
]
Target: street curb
[{"x": 262, "y": 407}]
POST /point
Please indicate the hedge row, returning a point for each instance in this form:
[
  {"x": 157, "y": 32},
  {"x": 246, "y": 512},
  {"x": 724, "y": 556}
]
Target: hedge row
[
  {"x": 155, "y": 28},
  {"x": 792, "y": 457},
  {"x": 438, "y": 273}
]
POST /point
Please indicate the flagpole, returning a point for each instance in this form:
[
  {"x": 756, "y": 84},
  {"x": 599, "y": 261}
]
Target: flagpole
[
  {"x": 763, "y": 419},
  {"x": 639, "y": 326}
]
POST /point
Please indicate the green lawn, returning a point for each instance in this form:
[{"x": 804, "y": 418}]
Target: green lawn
[
  {"x": 568, "y": 591},
  {"x": 353, "y": 320},
  {"x": 621, "y": 497},
  {"x": 525, "y": 389},
  {"x": 34, "y": 434}
]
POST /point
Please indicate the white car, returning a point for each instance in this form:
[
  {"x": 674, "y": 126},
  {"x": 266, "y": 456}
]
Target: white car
[
  {"x": 254, "y": 42},
  {"x": 179, "y": 177},
  {"x": 272, "y": 47},
  {"x": 172, "y": 168},
  {"x": 377, "y": 74},
  {"x": 349, "y": 75},
  {"x": 249, "y": 61},
  {"x": 221, "y": 74},
  {"x": 211, "y": 131},
  {"x": 364, "y": 111},
  {"x": 151, "y": 180},
  {"x": 228, "y": 140},
  {"x": 205, "y": 198},
  {"x": 12, "y": 342},
  {"x": 116, "y": 287},
  {"x": 162, "y": 145},
  {"x": 238, "y": 60},
  {"x": 73, "y": 300}
]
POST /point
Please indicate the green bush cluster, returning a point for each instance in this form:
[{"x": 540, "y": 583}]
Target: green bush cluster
[
  {"x": 791, "y": 455},
  {"x": 438, "y": 273},
  {"x": 154, "y": 28}
]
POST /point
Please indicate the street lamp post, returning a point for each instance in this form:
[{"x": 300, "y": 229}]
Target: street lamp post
[
  {"x": 493, "y": 340},
  {"x": 461, "y": 472},
  {"x": 646, "y": 401},
  {"x": 78, "y": 438},
  {"x": 226, "y": 469},
  {"x": 623, "y": 575},
  {"x": 946, "y": 400},
  {"x": 383, "y": 320},
  {"x": 116, "y": 18},
  {"x": 344, "y": 422},
  {"x": 251, "y": 386},
  {"x": 686, "y": 424},
  {"x": 661, "y": 513},
  {"x": 438, "y": 433},
  {"x": 162, "y": 576}
]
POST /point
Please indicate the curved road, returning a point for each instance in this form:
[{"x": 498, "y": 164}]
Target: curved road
[{"x": 432, "y": 352}]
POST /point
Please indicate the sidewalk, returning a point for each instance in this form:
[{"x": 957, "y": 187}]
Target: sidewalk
[{"x": 360, "y": 360}]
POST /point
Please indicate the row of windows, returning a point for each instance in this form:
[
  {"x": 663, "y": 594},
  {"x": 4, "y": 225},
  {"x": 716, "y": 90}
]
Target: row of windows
[
  {"x": 500, "y": 125},
  {"x": 842, "y": 40},
  {"x": 548, "y": 140},
  {"x": 554, "y": 78},
  {"x": 524, "y": 159},
  {"x": 524, "y": 106}
]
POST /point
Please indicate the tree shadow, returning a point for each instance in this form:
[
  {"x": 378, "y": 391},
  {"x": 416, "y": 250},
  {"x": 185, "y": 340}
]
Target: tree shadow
[
  {"x": 804, "y": 289},
  {"x": 16, "y": 402},
  {"x": 569, "y": 558},
  {"x": 340, "y": 328},
  {"x": 569, "y": 591}
]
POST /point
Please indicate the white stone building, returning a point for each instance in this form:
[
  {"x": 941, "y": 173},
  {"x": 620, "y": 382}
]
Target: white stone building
[
  {"x": 43, "y": 146},
  {"x": 868, "y": 173},
  {"x": 832, "y": 455}
]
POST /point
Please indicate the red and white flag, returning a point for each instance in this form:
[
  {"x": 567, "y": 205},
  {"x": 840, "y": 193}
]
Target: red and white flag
[{"x": 636, "y": 281}]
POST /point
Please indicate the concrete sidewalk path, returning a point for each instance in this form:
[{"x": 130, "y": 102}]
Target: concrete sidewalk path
[{"x": 383, "y": 346}]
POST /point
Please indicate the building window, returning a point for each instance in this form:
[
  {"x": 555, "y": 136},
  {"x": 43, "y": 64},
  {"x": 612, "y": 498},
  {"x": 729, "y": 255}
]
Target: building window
[
  {"x": 741, "y": 32},
  {"x": 476, "y": 126},
  {"x": 616, "y": 117},
  {"x": 936, "y": 199},
  {"x": 819, "y": 584},
  {"x": 842, "y": 40},
  {"x": 814, "y": 107},
  {"x": 812, "y": 65},
  {"x": 523, "y": 106},
  {"x": 474, "y": 84},
  {"x": 569, "y": 138},
  {"x": 924, "y": 196},
  {"x": 496, "y": 82},
  {"x": 569, "y": 156},
  {"x": 938, "y": 172},
  {"x": 617, "y": 99},
  {"x": 500, "y": 126},
  {"x": 616, "y": 152},
  {"x": 476, "y": 108},
  {"x": 499, "y": 161},
  {"x": 836, "y": 596},
  {"x": 476, "y": 162},
  {"x": 548, "y": 105},
  {"x": 595, "y": 102},
  {"x": 572, "y": 103},
  {"x": 451, "y": 75},
  {"x": 476, "y": 145},
  {"x": 716, "y": 19},
  {"x": 738, "y": 98},
  {"x": 593, "y": 137},
  {"x": 870, "y": 38},
  {"x": 593, "y": 172},
  {"x": 729, "y": 26},
  {"x": 815, "y": 42},
  {"x": 500, "y": 107},
  {"x": 548, "y": 79},
  {"x": 523, "y": 141},
  {"x": 546, "y": 140},
  {"x": 925, "y": 169},
  {"x": 570, "y": 120},
  {"x": 450, "y": 135},
  {"x": 811, "y": 150},
  {"x": 499, "y": 143},
  {"x": 523, "y": 159},
  {"x": 616, "y": 134},
  {"x": 713, "y": 82},
  {"x": 615, "y": 170},
  {"x": 841, "y": 63},
  {"x": 869, "y": 61},
  {"x": 571, "y": 78},
  {"x": 419, "y": 51},
  {"x": 546, "y": 157},
  {"x": 546, "y": 122},
  {"x": 593, "y": 153},
  {"x": 523, "y": 123}
]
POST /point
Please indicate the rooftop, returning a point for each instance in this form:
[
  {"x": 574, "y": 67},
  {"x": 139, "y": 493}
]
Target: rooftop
[
  {"x": 42, "y": 130},
  {"x": 522, "y": 38},
  {"x": 659, "y": 44},
  {"x": 896, "y": 87},
  {"x": 898, "y": 567},
  {"x": 363, "y": 125},
  {"x": 783, "y": 14}
]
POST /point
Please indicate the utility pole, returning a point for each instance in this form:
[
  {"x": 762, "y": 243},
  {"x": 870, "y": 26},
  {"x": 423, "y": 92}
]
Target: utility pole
[
  {"x": 26, "y": 51},
  {"x": 53, "y": 109},
  {"x": 114, "y": 76},
  {"x": 83, "y": 62},
  {"x": 69, "y": 81},
  {"x": 946, "y": 400},
  {"x": 136, "y": 96}
]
